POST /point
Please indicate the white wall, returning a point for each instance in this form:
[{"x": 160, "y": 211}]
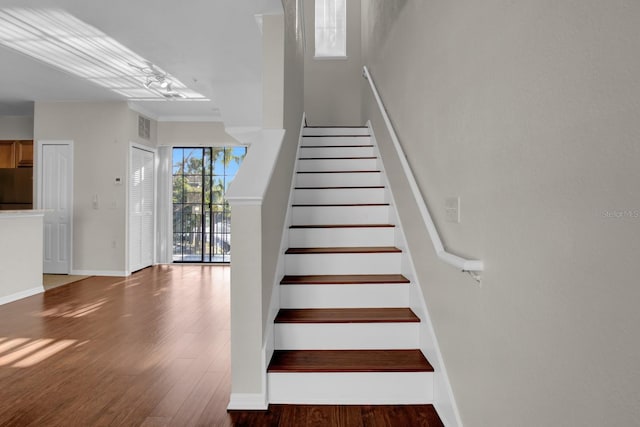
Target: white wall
[
  {"x": 16, "y": 127},
  {"x": 272, "y": 71},
  {"x": 101, "y": 135},
  {"x": 193, "y": 134},
  {"x": 274, "y": 208},
  {"x": 332, "y": 90},
  {"x": 20, "y": 255},
  {"x": 527, "y": 111}
]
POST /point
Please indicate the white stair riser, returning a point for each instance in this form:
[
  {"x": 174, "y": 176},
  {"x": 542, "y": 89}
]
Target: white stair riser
[
  {"x": 358, "y": 388},
  {"x": 346, "y": 336},
  {"x": 344, "y": 296},
  {"x": 337, "y": 165},
  {"x": 339, "y": 195},
  {"x": 370, "y": 263},
  {"x": 332, "y": 237},
  {"x": 336, "y": 152},
  {"x": 335, "y": 131},
  {"x": 352, "y": 179},
  {"x": 305, "y": 215}
]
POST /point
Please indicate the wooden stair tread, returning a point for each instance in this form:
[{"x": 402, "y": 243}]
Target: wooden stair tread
[
  {"x": 342, "y": 226},
  {"x": 338, "y": 204},
  {"x": 344, "y": 250},
  {"x": 347, "y": 279},
  {"x": 355, "y": 187},
  {"x": 336, "y": 136},
  {"x": 346, "y": 315},
  {"x": 338, "y": 146},
  {"x": 340, "y": 158},
  {"x": 336, "y": 127},
  {"x": 349, "y": 361},
  {"x": 368, "y": 171}
]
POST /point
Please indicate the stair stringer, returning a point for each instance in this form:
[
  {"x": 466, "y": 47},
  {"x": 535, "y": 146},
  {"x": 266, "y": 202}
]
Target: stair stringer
[{"x": 443, "y": 399}]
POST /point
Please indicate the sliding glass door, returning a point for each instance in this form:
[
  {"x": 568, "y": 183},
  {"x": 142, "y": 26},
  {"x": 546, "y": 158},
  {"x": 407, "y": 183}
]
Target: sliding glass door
[{"x": 201, "y": 214}]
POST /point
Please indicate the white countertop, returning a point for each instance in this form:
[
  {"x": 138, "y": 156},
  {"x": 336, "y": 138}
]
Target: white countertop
[{"x": 21, "y": 213}]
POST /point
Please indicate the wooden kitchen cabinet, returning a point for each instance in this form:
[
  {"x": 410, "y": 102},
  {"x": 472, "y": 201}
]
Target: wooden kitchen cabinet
[
  {"x": 16, "y": 154},
  {"x": 7, "y": 154},
  {"x": 24, "y": 154}
]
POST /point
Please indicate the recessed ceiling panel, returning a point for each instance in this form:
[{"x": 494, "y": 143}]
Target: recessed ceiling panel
[{"x": 58, "y": 38}]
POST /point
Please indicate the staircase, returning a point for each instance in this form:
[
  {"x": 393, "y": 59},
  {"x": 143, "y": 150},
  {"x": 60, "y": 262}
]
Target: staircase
[{"x": 345, "y": 333}]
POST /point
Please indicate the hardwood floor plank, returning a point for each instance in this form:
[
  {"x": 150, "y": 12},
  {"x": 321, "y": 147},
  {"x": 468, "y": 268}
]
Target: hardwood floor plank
[
  {"x": 156, "y": 422},
  {"x": 215, "y": 413},
  {"x": 139, "y": 345},
  {"x": 195, "y": 404}
]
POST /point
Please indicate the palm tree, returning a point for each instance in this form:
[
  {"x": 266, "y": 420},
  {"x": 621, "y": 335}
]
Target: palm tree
[{"x": 200, "y": 178}]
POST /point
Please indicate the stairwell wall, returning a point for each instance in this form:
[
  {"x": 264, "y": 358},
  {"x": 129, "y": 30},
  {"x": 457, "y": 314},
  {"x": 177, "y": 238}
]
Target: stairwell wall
[
  {"x": 16, "y": 127},
  {"x": 527, "y": 111},
  {"x": 274, "y": 208},
  {"x": 332, "y": 88}
]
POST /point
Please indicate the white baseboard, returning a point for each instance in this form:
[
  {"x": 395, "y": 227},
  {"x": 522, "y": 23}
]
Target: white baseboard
[
  {"x": 113, "y": 273},
  {"x": 248, "y": 402},
  {"x": 22, "y": 294}
]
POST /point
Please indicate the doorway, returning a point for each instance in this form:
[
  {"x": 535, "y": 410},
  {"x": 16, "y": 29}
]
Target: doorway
[
  {"x": 55, "y": 193},
  {"x": 201, "y": 214},
  {"x": 141, "y": 208}
]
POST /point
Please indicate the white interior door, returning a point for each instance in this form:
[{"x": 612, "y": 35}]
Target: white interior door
[
  {"x": 56, "y": 186},
  {"x": 141, "y": 209}
]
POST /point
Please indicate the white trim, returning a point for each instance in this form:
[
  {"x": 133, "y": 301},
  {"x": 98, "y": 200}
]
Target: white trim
[
  {"x": 22, "y": 294},
  {"x": 247, "y": 402},
  {"x": 449, "y": 258},
  {"x": 110, "y": 273},
  {"x": 38, "y": 186},
  {"x": 254, "y": 176},
  {"x": 247, "y": 201},
  {"x": 445, "y": 405}
]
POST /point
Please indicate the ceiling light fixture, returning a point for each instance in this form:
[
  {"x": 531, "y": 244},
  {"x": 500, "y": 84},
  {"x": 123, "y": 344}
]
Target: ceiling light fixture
[{"x": 59, "y": 39}]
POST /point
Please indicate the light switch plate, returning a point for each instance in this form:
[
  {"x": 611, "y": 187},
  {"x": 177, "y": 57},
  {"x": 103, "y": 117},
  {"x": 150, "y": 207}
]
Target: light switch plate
[{"x": 452, "y": 209}]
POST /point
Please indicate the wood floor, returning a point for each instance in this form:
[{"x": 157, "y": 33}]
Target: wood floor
[{"x": 148, "y": 350}]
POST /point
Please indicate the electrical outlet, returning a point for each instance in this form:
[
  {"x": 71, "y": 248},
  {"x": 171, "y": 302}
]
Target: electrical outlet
[{"x": 452, "y": 209}]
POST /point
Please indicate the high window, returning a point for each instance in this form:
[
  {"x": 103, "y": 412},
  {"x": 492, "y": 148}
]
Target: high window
[
  {"x": 201, "y": 214},
  {"x": 331, "y": 28}
]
